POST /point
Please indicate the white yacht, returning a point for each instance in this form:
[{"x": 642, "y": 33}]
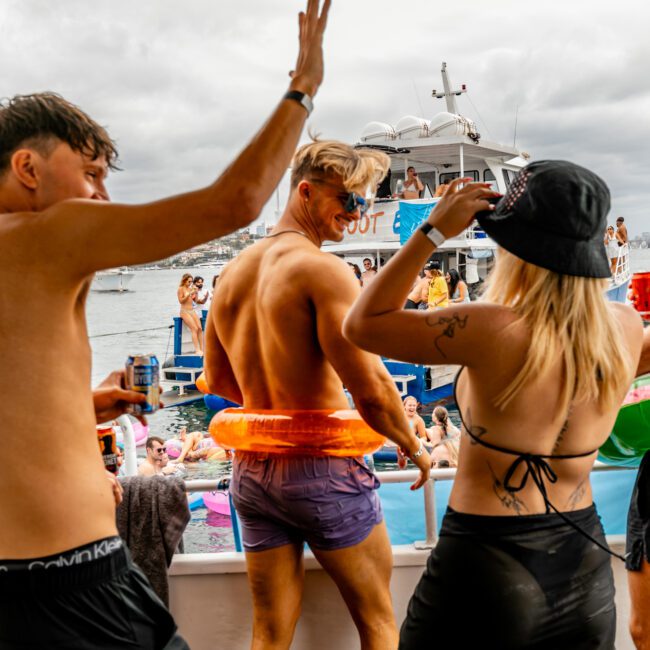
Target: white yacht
[{"x": 113, "y": 280}]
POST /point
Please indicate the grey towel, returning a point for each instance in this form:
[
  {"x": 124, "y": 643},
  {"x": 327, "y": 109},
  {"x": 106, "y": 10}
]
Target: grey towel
[{"x": 151, "y": 520}]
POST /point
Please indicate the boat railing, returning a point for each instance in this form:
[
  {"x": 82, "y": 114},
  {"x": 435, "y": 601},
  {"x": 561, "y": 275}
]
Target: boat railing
[
  {"x": 387, "y": 477},
  {"x": 622, "y": 270}
]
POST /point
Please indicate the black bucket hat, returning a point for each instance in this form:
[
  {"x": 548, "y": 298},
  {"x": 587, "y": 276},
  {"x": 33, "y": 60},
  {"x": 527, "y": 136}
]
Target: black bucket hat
[{"x": 554, "y": 215}]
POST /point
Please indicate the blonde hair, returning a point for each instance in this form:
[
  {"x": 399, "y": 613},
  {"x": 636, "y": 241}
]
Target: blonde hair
[
  {"x": 358, "y": 168},
  {"x": 568, "y": 317},
  {"x": 452, "y": 448},
  {"x": 184, "y": 278}
]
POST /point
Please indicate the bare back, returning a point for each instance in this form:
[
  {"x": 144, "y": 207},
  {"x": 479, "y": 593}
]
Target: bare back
[
  {"x": 530, "y": 424},
  {"x": 263, "y": 316},
  {"x": 53, "y": 488}
]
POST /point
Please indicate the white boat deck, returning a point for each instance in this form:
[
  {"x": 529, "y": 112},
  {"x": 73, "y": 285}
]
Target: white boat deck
[{"x": 210, "y": 601}]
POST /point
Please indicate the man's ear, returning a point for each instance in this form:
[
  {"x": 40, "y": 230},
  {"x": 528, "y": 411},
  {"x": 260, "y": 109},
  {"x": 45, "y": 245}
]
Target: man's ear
[
  {"x": 304, "y": 190},
  {"x": 24, "y": 165}
]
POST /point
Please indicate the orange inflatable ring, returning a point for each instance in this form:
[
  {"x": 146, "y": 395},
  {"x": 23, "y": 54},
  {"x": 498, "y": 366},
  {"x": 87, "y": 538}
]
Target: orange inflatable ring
[
  {"x": 201, "y": 384},
  {"x": 298, "y": 433}
]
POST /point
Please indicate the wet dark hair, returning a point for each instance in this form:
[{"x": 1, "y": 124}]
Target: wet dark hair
[
  {"x": 39, "y": 120},
  {"x": 198, "y": 277},
  {"x": 454, "y": 279},
  {"x": 151, "y": 440}
]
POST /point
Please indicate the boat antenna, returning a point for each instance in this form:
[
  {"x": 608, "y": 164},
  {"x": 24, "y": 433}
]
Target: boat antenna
[
  {"x": 514, "y": 139},
  {"x": 449, "y": 95},
  {"x": 415, "y": 90}
]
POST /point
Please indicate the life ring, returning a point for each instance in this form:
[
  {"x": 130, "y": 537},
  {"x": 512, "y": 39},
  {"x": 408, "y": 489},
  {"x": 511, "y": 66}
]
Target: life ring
[
  {"x": 293, "y": 432},
  {"x": 629, "y": 439}
]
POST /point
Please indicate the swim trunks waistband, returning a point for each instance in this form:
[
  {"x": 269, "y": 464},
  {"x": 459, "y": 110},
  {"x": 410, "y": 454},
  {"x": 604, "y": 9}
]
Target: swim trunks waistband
[{"x": 85, "y": 564}]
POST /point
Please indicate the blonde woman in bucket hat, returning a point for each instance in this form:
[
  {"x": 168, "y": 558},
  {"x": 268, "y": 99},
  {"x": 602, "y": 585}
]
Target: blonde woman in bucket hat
[{"x": 521, "y": 545}]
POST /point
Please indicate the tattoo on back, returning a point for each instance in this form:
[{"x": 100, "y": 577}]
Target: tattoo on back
[
  {"x": 449, "y": 329},
  {"x": 577, "y": 495},
  {"x": 508, "y": 498},
  {"x": 475, "y": 430}
]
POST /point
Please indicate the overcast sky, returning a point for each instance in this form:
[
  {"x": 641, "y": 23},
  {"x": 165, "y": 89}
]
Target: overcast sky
[{"x": 183, "y": 84}]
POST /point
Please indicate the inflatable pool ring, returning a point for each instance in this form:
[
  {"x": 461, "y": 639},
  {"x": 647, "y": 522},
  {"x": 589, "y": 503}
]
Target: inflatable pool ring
[
  {"x": 201, "y": 384},
  {"x": 217, "y": 403},
  {"x": 218, "y": 502},
  {"x": 141, "y": 432},
  {"x": 195, "y": 500},
  {"x": 630, "y": 437},
  {"x": 175, "y": 446},
  {"x": 212, "y": 402},
  {"x": 289, "y": 432}
]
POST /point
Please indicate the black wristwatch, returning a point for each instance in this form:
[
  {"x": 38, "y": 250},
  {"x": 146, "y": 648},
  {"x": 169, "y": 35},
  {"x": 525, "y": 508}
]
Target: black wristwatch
[{"x": 302, "y": 98}]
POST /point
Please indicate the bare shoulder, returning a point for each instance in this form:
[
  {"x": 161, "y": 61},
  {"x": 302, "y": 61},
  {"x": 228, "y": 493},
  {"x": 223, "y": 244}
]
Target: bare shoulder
[
  {"x": 329, "y": 273},
  {"x": 631, "y": 323}
]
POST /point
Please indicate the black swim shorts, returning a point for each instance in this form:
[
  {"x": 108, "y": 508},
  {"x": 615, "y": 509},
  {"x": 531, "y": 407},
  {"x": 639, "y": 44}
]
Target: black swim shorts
[
  {"x": 637, "y": 542},
  {"x": 71, "y": 602}
]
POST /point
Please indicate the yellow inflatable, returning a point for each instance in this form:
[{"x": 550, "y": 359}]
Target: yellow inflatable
[{"x": 314, "y": 433}]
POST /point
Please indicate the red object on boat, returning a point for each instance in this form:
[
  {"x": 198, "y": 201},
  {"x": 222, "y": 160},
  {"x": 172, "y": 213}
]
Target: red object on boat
[{"x": 639, "y": 294}]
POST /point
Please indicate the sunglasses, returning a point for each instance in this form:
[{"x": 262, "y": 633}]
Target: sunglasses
[
  {"x": 161, "y": 450},
  {"x": 351, "y": 201}
]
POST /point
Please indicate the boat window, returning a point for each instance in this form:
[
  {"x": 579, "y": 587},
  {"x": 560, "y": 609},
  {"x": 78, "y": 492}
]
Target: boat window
[
  {"x": 508, "y": 175},
  {"x": 489, "y": 177},
  {"x": 449, "y": 176}
]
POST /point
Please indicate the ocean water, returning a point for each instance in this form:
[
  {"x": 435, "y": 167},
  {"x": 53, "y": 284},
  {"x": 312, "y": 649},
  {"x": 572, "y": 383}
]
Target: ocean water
[{"x": 138, "y": 321}]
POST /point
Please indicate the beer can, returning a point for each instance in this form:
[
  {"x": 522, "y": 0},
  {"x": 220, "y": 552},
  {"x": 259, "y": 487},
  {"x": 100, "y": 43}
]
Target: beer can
[
  {"x": 143, "y": 376},
  {"x": 108, "y": 447}
]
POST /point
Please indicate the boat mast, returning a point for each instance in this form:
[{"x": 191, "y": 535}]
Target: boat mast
[
  {"x": 450, "y": 98},
  {"x": 449, "y": 95}
]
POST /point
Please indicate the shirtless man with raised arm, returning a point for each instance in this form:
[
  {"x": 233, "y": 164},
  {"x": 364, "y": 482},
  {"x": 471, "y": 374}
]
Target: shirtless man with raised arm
[
  {"x": 273, "y": 341},
  {"x": 56, "y": 229}
]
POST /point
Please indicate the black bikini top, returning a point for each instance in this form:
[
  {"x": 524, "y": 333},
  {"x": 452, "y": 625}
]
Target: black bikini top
[{"x": 537, "y": 468}]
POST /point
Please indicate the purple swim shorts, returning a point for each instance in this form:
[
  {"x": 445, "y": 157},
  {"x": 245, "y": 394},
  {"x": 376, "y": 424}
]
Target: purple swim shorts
[{"x": 326, "y": 501}]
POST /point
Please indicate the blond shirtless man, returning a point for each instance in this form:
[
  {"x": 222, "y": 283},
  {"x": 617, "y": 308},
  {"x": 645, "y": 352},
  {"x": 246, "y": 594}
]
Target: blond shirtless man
[
  {"x": 56, "y": 229},
  {"x": 273, "y": 341}
]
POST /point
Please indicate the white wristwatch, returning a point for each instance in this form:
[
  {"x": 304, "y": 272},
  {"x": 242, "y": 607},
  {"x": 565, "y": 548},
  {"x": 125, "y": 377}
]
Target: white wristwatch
[{"x": 433, "y": 234}]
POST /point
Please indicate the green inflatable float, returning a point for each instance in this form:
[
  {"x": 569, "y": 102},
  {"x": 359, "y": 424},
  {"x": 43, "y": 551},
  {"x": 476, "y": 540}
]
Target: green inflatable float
[{"x": 630, "y": 437}]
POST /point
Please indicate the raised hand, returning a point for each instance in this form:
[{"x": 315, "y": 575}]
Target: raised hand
[
  {"x": 308, "y": 74},
  {"x": 456, "y": 209}
]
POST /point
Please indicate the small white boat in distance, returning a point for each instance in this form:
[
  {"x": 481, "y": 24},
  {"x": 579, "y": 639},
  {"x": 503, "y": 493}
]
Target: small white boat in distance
[{"x": 113, "y": 280}]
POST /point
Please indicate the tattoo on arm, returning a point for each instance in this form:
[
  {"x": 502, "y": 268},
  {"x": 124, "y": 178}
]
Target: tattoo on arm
[
  {"x": 449, "y": 327},
  {"x": 508, "y": 499}
]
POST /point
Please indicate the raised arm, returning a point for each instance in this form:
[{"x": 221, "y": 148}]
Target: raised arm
[
  {"x": 377, "y": 321},
  {"x": 100, "y": 235},
  {"x": 363, "y": 374}
]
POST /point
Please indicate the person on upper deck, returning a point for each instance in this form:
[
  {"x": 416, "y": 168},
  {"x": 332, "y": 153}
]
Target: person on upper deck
[
  {"x": 521, "y": 544},
  {"x": 274, "y": 341},
  {"x": 57, "y": 227},
  {"x": 412, "y": 185},
  {"x": 611, "y": 242},
  {"x": 369, "y": 272}
]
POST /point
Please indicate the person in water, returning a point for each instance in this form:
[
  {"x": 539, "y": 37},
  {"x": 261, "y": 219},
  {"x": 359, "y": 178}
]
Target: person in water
[
  {"x": 57, "y": 227},
  {"x": 268, "y": 348},
  {"x": 442, "y": 427},
  {"x": 415, "y": 421},
  {"x": 521, "y": 545},
  {"x": 186, "y": 294}
]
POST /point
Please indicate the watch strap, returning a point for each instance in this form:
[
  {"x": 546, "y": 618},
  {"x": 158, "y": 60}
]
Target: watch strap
[
  {"x": 433, "y": 234},
  {"x": 302, "y": 98}
]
